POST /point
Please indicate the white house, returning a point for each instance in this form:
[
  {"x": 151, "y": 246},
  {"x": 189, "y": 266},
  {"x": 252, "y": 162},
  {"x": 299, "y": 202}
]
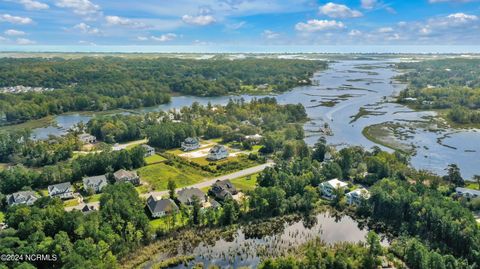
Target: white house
[
  {"x": 87, "y": 138},
  {"x": 469, "y": 193},
  {"x": 218, "y": 152},
  {"x": 256, "y": 138},
  {"x": 162, "y": 207},
  {"x": 190, "y": 144},
  {"x": 328, "y": 188},
  {"x": 356, "y": 196},
  {"x": 21, "y": 198},
  {"x": 96, "y": 183},
  {"x": 149, "y": 151}
]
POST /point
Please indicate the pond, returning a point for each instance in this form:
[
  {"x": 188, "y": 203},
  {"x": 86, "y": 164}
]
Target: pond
[
  {"x": 349, "y": 96},
  {"x": 243, "y": 250}
]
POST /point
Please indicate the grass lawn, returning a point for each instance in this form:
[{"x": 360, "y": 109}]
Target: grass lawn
[
  {"x": 165, "y": 223},
  {"x": 155, "y": 158},
  {"x": 175, "y": 152},
  {"x": 142, "y": 189},
  {"x": 71, "y": 202},
  {"x": 158, "y": 175},
  {"x": 246, "y": 183},
  {"x": 136, "y": 143},
  {"x": 93, "y": 198},
  {"x": 43, "y": 192},
  {"x": 3, "y": 166},
  {"x": 2, "y": 216},
  {"x": 471, "y": 185}
]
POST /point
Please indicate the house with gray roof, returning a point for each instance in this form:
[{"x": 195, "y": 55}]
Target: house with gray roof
[
  {"x": 21, "y": 198},
  {"x": 87, "y": 138},
  {"x": 96, "y": 183},
  {"x": 222, "y": 189},
  {"x": 217, "y": 152},
  {"x": 469, "y": 193},
  {"x": 123, "y": 175},
  {"x": 162, "y": 207},
  {"x": 185, "y": 196},
  {"x": 149, "y": 150},
  {"x": 62, "y": 190},
  {"x": 190, "y": 144}
]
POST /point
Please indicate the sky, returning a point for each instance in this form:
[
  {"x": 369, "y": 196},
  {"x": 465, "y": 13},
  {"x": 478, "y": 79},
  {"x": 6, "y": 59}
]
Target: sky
[{"x": 230, "y": 23}]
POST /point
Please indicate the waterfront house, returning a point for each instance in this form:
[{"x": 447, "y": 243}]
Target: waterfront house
[
  {"x": 62, "y": 190},
  {"x": 21, "y": 198},
  {"x": 149, "y": 151},
  {"x": 185, "y": 196},
  {"x": 95, "y": 183},
  {"x": 217, "y": 152},
  {"x": 162, "y": 207},
  {"x": 190, "y": 144},
  {"x": 223, "y": 189},
  {"x": 469, "y": 193},
  {"x": 328, "y": 188},
  {"x": 123, "y": 175},
  {"x": 87, "y": 138},
  {"x": 357, "y": 196}
]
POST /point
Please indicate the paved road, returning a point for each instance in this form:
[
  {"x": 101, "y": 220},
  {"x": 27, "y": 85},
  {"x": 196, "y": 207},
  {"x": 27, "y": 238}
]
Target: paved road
[{"x": 203, "y": 184}]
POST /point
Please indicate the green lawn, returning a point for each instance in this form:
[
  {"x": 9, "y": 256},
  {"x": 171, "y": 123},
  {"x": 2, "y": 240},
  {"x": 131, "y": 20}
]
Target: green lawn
[
  {"x": 136, "y": 143},
  {"x": 471, "y": 185},
  {"x": 246, "y": 183},
  {"x": 93, "y": 198},
  {"x": 165, "y": 223},
  {"x": 2, "y": 216},
  {"x": 155, "y": 158},
  {"x": 71, "y": 202},
  {"x": 142, "y": 189},
  {"x": 158, "y": 175},
  {"x": 43, "y": 192}
]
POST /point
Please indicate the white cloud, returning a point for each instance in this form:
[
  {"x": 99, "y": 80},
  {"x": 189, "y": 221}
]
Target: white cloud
[
  {"x": 369, "y": 4},
  {"x": 462, "y": 17},
  {"x": 3, "y": 39},
  {"x": 142, "y": 38},
  {"x": 87, "y": 29},
  {"x": 268, "y": 34},
  {"x": 13, "y": 32},
  {"x": 33, "y": 5},
  {"x": 164, "y": 38},
  {"x": 199, "y": 20},
  {"x": 84, "y": 42},
  {"x": 354, "y": 33},
  {"x": 455, "y": 1},
  {"x": 24, "y": 41},
  {"x": 319, "y": 25},
  {"x": 339, "y": 11},
  {"x": 80, "y": 7},
  {"x": 15, "y": 19},
  {"x": 116, "y": 20},
  {"x": 385, "y": 30},
  {"x": 236, "y": 26}
]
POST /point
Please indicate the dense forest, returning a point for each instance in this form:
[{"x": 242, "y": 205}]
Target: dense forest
[
  {"x": 452, "y": 84},
  {"x": 97, "y": 84}
]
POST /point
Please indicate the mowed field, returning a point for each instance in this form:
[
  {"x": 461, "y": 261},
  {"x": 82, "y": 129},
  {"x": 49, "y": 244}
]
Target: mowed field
[{"x": 158, "y": 175}]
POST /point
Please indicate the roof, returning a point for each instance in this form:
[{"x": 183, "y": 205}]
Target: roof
[
  {"x": 122, "y": 173},
  {"x": 359, "y": 192},
  {"x": 60, "y": 188},
  {"x": 95, "y": 180},
  {"x": 191, "y": 140},
  {"x": 85, "y": 135},
  {"x": 223, "y": 188},
  {"x": 185, "y": 196},
  {"x": 162, "y": 205},
  {"x": 255, "y": 136},
  {"x": 337, "y": 183},
  {"x": 217, "y": 148},
  {"x": 148, "y": 147},
  {"x": 21, "y": 197},
  {"x": 469, "y": 191}
]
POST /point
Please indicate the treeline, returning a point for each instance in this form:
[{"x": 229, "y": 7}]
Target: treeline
[
  {"x": 99, "y": 84},
  {"x": 20, "y": 178},
  {"x": 78, "y": 240},
  {"x": 452, "y": 84}
]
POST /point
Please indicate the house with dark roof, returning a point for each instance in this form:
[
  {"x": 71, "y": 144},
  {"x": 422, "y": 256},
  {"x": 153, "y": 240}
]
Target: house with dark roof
[
  {"x": 217, "y": 152},
  {"x": 62, "y": 190},
  {"x": 149, "y": 151},
  {"x": 96, "y": 183},
  {"x": 123, "y": 175},
  {"x": 21, "y": 198},
  {"x": 162, "y": 207},
  {"x": 222, "y": 189},
  {"x": 190, "y": 144},
  {"x": 185, "y": 196}
]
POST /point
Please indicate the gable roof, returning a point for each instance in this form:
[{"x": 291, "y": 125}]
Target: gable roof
[
  {"x": 217, "y": 149},
  {"x": 359, "y": 192},
  {"x": 21, "y": 197},
  {"x": 223, "y": 188},
  {"x": 95, "y": 181},
  {"x": 162, "y": 205},
  {"x": 60, "y": 188},
  {"x": 185, "y": 196},
  {"x": 191, "y": 140},
  {"x": 147, "y": 147},
  {"x": 122, "y": 173},
  {"x": 337, "y": 183}
]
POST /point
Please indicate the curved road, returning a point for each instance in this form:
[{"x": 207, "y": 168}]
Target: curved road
[{"x": 203, "y": 184}]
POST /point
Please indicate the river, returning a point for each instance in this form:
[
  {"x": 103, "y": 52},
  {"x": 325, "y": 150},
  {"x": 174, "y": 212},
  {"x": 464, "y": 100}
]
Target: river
[{"x": 335, "y": 98}]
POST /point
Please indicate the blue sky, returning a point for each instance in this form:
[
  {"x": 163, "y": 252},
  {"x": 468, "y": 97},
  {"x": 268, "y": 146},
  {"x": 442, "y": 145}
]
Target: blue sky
[{"x": 238, "y": 22}]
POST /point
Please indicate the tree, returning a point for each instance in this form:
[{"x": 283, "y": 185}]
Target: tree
[
  {"x": 171, "y": 188},
  {"x": 477, "y": 179},
  {"x": 453, "y": 175},
  {"x": 319, "y": 149},
  {"x": 196, "y": 206}
]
